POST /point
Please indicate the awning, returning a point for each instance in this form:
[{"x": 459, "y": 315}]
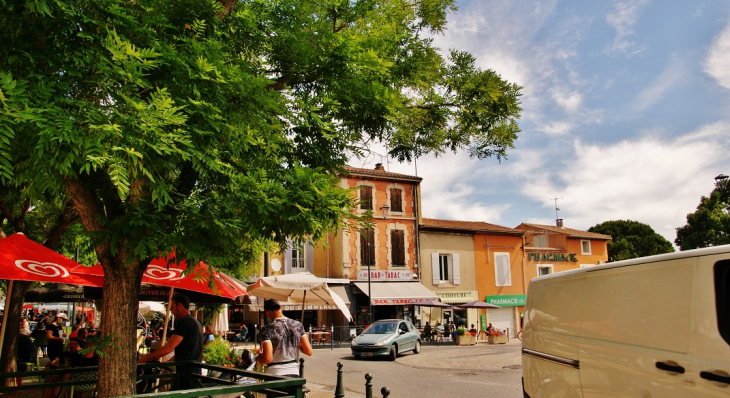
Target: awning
[
  {"x": 396, "y": 293},
  {"x": 340, "y": 290}
]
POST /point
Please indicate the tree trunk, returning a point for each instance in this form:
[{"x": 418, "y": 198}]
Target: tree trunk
[
  {"x": 118, "y": 370},
  {"x": 10, "y": 345}
]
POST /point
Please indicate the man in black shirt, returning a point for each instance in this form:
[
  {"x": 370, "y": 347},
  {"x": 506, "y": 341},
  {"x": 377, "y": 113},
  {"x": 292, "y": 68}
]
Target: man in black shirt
[{"x": 186, "y": 340}]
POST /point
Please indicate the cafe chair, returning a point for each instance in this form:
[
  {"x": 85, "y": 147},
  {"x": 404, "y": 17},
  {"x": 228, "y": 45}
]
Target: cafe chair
[{"x": 89, "y": 388}]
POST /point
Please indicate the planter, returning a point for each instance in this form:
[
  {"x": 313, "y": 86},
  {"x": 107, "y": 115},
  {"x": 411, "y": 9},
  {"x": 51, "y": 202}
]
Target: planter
[
  {"x": 466, "y": 339},
  {"x": 503, "y": 339}
]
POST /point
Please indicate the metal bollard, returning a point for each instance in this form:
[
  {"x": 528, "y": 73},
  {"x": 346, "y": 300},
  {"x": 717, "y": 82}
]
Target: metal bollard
[
  {"x": 368, "y": 385},
  {"x": 301, "y": 367},
  {"x": 385, "y": 391},
  {"x": 339, "y": 389}
]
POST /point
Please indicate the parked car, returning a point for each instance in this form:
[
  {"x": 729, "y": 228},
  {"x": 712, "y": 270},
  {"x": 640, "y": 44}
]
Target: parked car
[
  {"x": 387, "y": 337},
  {"x": 647, "y": 327}
]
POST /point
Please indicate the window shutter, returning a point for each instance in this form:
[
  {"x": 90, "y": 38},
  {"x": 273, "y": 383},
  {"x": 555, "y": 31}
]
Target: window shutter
[
  {"x": 366, "y": 197},
  {"x": 396, "y": 200},
  {"x": 501, "y": 264},
  {"x": 397, "y": 247},
  {"x": 310, "y": 256},
  {"x": 456, "y": 275},
  {"x": 435, "y": 274},
  {"x": 287, "y": 258}
]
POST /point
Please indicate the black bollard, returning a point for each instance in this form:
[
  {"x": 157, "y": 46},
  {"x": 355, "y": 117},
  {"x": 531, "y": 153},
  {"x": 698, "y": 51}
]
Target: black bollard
[
  {"x": 340, "y": 388},
  {"x": 368, "y": 385},
  {"x": 385, "y": 392},
  {"x": 301, "y": 367}
]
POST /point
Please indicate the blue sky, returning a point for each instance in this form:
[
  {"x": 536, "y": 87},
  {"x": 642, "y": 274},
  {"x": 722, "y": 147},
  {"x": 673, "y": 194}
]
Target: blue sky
[{"x": 626, "y": 113}]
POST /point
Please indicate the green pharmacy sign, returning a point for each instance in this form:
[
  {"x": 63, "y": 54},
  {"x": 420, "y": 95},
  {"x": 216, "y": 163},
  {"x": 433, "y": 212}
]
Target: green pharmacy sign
[
  {"x": 514, "y": 300},
  {"x": 551, "y": 257}
]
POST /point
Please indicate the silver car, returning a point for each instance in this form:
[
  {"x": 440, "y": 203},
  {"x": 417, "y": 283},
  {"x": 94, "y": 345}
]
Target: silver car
[{"x": 387, "y": 337}]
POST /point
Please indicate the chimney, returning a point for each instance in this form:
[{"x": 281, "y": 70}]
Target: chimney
[
  {"x": 379, "y": 166},
  {"x": 559, "y": 222}
]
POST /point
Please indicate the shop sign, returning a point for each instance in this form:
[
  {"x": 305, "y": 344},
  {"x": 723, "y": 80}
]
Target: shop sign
[
  {"x": 551, "y": 257},
  {"x": 456, "y": 297},
  {"x": 385, "y": 275},
  {"x": 297, "y": 307},
  {"x": 396, "y": 301},
  {"x": 514, "y": 300}
]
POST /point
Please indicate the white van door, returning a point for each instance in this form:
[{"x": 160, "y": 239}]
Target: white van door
[
  {"x": 709, "y": 362},
  {"x": 636, "y": 321}
]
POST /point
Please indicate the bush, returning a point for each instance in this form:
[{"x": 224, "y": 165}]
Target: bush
[
  {"x": 220, "y": 352},
  {"x": 461, "y": 330}
]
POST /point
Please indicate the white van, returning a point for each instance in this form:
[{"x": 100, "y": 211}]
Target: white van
[{"x": 648, "y": 327}]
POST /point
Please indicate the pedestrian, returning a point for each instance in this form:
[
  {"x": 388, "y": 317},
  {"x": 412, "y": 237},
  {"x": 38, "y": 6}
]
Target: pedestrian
[
  {"x": 427, "y": 331},
  {"x": 186, "y": 340},
  {"x": 281, "y": 341},
  {"x": 56, "y": 336},
  {"x": 26, "y": 351}
]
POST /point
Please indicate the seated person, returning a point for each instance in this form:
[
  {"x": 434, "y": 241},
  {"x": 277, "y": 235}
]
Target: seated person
[
  {"x": 427, "y": 331},
  {"x": 26, "y": 350},
  {"x": 208, "y": 334},
  {"x": 242, "y": 335},
  {"x": 490, "y": 328},
  {"x": 473, "y": 330},
  {"x": 82, "y": 337},
  {"x": 70, "y": 358}
]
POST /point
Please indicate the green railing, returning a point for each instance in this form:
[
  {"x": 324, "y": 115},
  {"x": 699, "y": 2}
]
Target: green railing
[{"x": 277, "y": 386}]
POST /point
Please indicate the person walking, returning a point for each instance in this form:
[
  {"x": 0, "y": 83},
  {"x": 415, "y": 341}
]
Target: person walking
[
  {"x": 281, "y": 341},
  {"x": 56, "y": 336},
  {"x": 186, "y": 340}
]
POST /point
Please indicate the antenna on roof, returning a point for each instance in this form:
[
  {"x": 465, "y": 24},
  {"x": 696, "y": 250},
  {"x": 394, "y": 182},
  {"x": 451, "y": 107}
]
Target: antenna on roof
[{"x": 558, "y": 220}]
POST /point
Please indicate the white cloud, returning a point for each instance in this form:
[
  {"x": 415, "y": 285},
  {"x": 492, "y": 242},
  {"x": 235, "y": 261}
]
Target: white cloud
[
  {"x": 675, "y": 72},
  {"x": 568, "y": 100},
  {"x": 651, "y": 180},
  {"x": 623, "y": 20},
  {"x": 717, "y": 63},
  {"x": 557, "y": 128}
]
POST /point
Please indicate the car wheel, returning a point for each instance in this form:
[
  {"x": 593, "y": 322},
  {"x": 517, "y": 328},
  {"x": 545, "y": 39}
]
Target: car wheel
[
  {"x": 393, "y": 352},
  {"x": 417, "y": 349}
]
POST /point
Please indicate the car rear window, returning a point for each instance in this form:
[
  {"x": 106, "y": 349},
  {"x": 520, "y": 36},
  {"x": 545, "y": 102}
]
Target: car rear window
[{"x": 722, "y": 298}]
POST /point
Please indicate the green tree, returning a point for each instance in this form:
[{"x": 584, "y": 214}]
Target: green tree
[
  {"x": 632, "y": 239},
  {"x": 709, "y": 225},
  {"x": 215, "y": 128}
]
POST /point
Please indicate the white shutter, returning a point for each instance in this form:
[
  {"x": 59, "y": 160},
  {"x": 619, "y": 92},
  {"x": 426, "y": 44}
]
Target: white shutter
[
  {"x": 310, "y": 256},
  {"x": 456, "y": 275},
  {"x": 287, "y": 258},
  {"x": 503, "y": 318},
  {"x": 435, "y": 268},
  {"x": 502, "y": 269}
]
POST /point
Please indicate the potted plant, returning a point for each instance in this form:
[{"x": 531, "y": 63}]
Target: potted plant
[
  {"x": 219, "y": 352},
  {"x": 464, "y": 338}
]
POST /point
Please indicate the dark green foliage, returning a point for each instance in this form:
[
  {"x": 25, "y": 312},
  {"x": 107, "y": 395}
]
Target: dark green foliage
[
  {"x": 709, "y": 225},
  {"x": 632, "y": 239}
]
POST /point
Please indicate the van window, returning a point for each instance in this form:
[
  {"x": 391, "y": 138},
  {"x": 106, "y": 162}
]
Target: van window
[{"x": 722, "y": 298}]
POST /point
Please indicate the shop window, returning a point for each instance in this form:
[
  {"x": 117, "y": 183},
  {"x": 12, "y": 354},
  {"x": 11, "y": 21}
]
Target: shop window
[
  {"x": 367, "y": 246},
  {"x": 585, "y": 247},
  {"x": 544, "y": 269},
  {"x": 396, "y": 200},
  {"x": 722, "y": 298},
  {"x": 366, "y": 197},
  {"x": 297, "y": 257},
  {"x": 540, "y": 241},
  {"x": 398, "y": 248},
  {"x": 445, "y": 268},
  {"x": 502, "y": 271}
]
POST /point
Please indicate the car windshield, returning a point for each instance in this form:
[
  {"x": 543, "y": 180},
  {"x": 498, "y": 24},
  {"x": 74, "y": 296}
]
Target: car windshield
[{"x": 381, "y": 328}]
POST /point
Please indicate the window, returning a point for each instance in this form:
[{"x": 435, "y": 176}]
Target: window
[
  {"x": 502, "y": 271},
  {"x": 585, "y": 247},
  {"x": 445, "y": 268},
  {"x": 396, "y": 199},
  {"x": 398, "y": 248},
  {"x": 540, "y": 241},
  {"x": 367, "y": 247},
  {"x": 544, "y": 269},
  {"x": 722, "y": 297},
  {"x": 366, "y": 197},
  {"x": 297, "y": 257}
]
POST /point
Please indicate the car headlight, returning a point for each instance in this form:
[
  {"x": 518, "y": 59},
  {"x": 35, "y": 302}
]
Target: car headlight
[{"x": 381, "y": 342}]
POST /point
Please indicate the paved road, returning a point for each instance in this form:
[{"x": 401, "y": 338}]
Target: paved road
[{"x": 466, "y": 371}]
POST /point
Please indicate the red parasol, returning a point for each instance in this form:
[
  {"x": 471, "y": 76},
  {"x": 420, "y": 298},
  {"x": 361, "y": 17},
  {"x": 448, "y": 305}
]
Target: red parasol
[
  {"x": 159, "y": 273},
  {"x": 21, "y": 259}
]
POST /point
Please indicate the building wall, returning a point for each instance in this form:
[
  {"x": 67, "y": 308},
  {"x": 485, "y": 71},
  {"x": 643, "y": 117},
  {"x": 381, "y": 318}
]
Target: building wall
[
  {"x": 599, "y": 255},
  {"x": 485, "y": 247}
]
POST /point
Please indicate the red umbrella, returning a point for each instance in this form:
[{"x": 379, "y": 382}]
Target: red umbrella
[
  {"x": 21, "y": 259},
  {"x": 159, "y": 273}
]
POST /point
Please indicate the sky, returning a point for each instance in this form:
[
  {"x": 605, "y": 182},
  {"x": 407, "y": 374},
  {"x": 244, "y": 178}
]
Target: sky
[{"x": 626, "y": 113}]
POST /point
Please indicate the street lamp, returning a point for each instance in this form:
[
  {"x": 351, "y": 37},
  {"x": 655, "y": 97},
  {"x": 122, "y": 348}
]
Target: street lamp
[
  {"x": 723, "y": 186},
  {"x": 370, "y": 296},
  {"x": 384, "y": 210}
]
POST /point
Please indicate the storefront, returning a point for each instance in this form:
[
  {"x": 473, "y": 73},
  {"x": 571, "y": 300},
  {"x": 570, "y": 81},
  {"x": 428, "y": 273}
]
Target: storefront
[
  {"x": 314, "y": 315},
  {"x": 390, "y": 300},
  {"x": 460, "y": 317},
  {"x": 508, "y": 315}
]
